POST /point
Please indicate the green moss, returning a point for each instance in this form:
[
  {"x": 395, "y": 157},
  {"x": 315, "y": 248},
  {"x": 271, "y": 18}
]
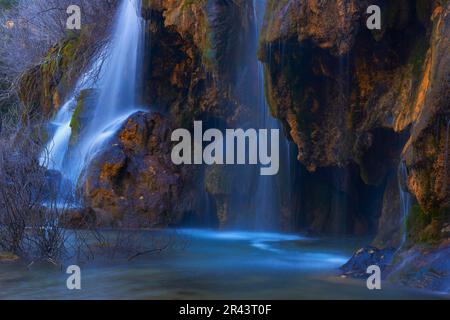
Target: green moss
[
  {"x": 208, "y": 51},
  {"x": 424, "y": 226},
  {"x": 426, "y": 172},
  {"x": 41, "y": 85},
  {"x": 417, "y": 220},
  {"x": 75, "y": 124},
  {"x": 49, "y": 69},
  {"x": 69, "y": 52}
]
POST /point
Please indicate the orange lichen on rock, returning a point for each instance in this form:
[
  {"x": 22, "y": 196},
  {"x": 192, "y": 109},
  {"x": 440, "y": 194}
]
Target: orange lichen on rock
[{"x": 130, "y": 136}]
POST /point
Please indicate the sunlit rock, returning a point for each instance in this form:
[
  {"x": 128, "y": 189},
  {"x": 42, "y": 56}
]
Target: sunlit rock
[
  {"x": 133, "y": 179},
  {"x": 8, "y": 257}
]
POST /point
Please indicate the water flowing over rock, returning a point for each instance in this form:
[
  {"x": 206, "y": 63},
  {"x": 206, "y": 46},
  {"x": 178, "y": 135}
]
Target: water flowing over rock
[
  {"x": 133, "y": 179},
  {"x": 213, "y": 74}
]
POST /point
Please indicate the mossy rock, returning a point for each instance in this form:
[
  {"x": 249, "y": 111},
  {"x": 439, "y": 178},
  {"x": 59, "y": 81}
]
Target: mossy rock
[
  {"x": 46, "y": 85},
  {"x": 426, "y": 226},
  {"x": 83, "y": 112}
]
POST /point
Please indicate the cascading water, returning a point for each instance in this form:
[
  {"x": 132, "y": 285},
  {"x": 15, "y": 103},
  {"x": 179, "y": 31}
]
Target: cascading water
[
  {"x": 116, "y": 87},
  {"x": 267, "y": 202},
  {"x": 55, "y": 151},
  {"x": 57, "y": 147},
  {"x": 405, "y": 202}
]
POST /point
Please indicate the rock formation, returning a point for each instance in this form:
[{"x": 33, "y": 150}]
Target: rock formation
[
  {"x": 133, "y": 178},
  {"x": 351, "y": 96}
]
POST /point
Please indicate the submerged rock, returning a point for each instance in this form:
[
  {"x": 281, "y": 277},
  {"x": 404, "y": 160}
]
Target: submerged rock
[
  {"x": 419, "y": 267},
  {"x": 357, "y": 266},
  {"x": 8, "y": 257}
]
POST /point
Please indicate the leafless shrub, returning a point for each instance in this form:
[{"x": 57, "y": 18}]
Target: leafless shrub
[
  {"x": 46, "y": 239},
  {"x": 32, "y": 27},
  {"x": 17, "y": 177},
  {"x": 30, "y": 207},
  {"x": 126, "y": 241}
]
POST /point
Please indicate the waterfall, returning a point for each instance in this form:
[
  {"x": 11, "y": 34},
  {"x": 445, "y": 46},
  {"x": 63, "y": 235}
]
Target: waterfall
[
  {"x": 58, "y": 145},
  {"x": 405, "y": 202},
  {"x": 116, "y": 86},
  {"x": 267, "y": 202}
]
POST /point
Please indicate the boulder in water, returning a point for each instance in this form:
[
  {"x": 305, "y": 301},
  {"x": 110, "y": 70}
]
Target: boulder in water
[
  {"x": 133, "y": 179},
  {"x": 357, "y": 266},
  {"x": 8, "y": 257}
]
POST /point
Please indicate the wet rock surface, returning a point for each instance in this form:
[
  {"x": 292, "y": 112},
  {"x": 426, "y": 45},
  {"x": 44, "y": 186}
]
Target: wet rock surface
[
  {"x": 133, "y": 179},
  {"x": 198, "y": 67},
  {"x": 357, "y": 266},
  {"x": 424, "y": 268},
  {"x": 350, "y": 96}
]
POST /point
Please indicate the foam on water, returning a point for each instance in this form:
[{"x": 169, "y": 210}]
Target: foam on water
[{"x": 240, "y": 235}]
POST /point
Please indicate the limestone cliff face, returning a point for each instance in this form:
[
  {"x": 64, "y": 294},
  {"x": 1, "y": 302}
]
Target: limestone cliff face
[
  {"x": 196, "y": 60},
  {"x": 330, "y": 25},
  {"x": 191, "y": 57},
  {"x": 349, "y": 95},
  {"x": 427, "y": 149}
]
